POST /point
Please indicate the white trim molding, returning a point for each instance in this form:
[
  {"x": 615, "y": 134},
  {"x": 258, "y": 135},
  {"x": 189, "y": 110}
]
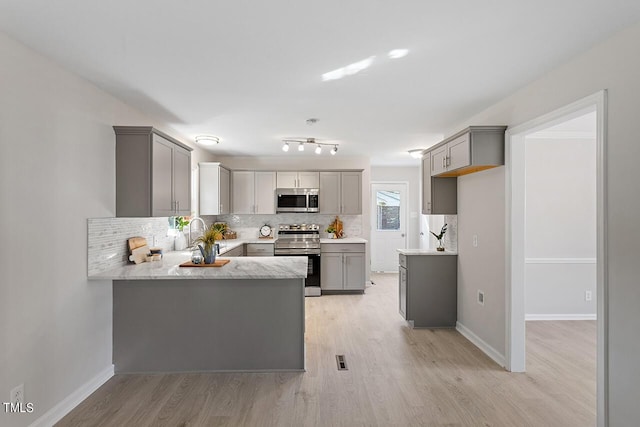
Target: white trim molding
[
  {"x": 535, "y": 317},
  {"x": 56, "y": 413},
  {"x": 515, "y": 237},
  {"x": 560, "y": 260},
  {"x": 494, "y": 354}
]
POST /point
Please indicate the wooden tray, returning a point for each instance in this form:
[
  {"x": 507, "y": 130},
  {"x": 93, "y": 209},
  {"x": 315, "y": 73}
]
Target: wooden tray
[{"x": 217, "y": 263}]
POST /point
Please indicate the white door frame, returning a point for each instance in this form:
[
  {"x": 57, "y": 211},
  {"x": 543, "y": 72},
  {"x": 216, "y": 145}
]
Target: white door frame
[
  {"x": 515, "y": 237},
  {"x": 406, "y": 208}
]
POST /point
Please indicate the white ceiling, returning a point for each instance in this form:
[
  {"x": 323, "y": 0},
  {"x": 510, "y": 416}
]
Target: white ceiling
[{"x": 250, "y": 71}]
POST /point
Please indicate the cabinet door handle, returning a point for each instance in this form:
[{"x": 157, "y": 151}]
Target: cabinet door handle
[
  {"x": 178, "y": 206},
  {"x": 444, "y": 162},
  {"x": 448, "y": 160}
]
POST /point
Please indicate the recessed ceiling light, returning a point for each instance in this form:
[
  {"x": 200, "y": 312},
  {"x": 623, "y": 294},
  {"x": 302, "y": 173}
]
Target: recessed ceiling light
[
  {"x": 416, "y": 153},
  {"x": 398, "y": 53},
  {"x": 348, "y": 70},
  {"x": 207, "y": 140}
]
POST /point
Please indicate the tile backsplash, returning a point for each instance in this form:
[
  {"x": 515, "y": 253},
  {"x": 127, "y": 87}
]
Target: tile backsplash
[
  {"x": 247, "y": 226},
  {"x": 451, "y": 237},
  {"x": 107, "y": 239}
]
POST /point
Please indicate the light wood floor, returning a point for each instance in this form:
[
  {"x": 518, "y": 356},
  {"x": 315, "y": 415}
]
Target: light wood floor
[{"x": 397, "y": 377}]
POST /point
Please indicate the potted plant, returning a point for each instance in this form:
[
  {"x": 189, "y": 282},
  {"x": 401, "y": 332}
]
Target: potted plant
[
  {"x": 220, "y": 228},
  {"x": 443, "y": 230},
  {"x": 331, "y": 231},
  {"x": 207, "y": 244}
]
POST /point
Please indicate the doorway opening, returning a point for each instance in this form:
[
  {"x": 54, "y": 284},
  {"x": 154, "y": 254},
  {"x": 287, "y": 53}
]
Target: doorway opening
[{"x": 516, "y": 230}]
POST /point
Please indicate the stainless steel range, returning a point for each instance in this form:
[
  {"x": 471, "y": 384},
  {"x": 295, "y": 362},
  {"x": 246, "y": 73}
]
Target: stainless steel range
[{"x": 302, "y": 240}]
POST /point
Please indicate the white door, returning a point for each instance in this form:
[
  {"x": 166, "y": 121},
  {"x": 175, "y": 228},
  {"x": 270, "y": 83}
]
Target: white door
[{"x": 389, "y": 224}]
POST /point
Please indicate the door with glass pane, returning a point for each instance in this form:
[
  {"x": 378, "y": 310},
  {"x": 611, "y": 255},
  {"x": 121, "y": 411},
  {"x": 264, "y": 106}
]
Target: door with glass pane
[{"x": 388, "y": 224}]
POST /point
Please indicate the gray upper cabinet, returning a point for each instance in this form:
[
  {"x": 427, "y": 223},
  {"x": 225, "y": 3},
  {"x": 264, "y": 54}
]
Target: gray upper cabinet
[
  {"x": 292, "y": 179},
  {"x": 214, "y": 189},
  {"x": 341, "y": 192},
  {"x": 472, "y": 150},
  {"x": 253, "y": 192},
  {"x": 439, "y": 195},
  {"x": 153, "y": 173}
]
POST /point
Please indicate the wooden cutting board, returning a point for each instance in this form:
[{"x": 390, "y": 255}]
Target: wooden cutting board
[
  {"x": 136, "y": 242},
  {"x": 139, "y": 255},
  {"x": 217, "y": 263}
]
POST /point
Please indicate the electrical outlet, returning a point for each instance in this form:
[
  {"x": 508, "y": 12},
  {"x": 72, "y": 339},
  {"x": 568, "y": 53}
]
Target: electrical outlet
[
  {"x": 588, "y": 296},
  {"x": 481, "y": 297},
  {"x": 17, "y": 394},
  {"x": 475, "y": 240}
]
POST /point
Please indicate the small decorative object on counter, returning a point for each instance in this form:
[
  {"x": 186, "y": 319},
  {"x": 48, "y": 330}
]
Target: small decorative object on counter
[
  {"x": 207, "y": 244},
  {"x": 230, "y": 235},
  {"x": 266, "y": 232},
  {"x": 220, "y": 228},
  {"x": 196, "y": 257},
  {"x": 331, "y": 232},
  {"x": 443, "y": 230},
  {"x": 336, "y": 227}
]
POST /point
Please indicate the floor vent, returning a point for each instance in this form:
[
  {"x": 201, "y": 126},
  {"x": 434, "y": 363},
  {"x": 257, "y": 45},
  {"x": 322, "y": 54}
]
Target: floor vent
[{"x": 342, "y": 362}]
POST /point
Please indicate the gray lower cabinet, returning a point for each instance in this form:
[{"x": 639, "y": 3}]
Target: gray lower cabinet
[
  {"x": 153, "y": 173},
  {"x": 342, "y": 267},
  {"x": 428, "y": 290},
  {"x": 259, "y": 249},
  {"x": 235, "y": 252}
]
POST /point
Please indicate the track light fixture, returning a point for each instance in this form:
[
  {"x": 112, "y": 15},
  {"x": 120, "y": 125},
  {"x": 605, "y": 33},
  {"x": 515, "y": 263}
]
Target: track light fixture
[{"x": 303, "y": 141}]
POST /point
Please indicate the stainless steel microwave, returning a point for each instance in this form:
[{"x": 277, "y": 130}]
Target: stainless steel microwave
[{"x": 303, "y": 200}]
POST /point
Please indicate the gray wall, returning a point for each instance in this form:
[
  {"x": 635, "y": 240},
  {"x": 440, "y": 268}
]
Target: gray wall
[
  {"x": 413, "y": 177},
  {"x": 57, "y": 169},
  {"x": 613, "y": 65},
  {"x": 481, "y": 211},
  {"x": 560, "y": 246}
]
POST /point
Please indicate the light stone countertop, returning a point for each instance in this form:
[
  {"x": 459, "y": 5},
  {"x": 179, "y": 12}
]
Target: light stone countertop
[
  {"x": 280, "y": 267},
  {"x": 344, "y": 240},
  {"x": 425, "y": 252}
]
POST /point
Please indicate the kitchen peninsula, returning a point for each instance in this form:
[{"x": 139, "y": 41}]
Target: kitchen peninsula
[{"x": 245, "y": 316}]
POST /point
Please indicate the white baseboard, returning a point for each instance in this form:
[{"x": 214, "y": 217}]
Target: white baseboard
[
  {"x": 56, "y": 413},
  {"x": 481, "y": 344},
  {"x": 560, "y": 317}
]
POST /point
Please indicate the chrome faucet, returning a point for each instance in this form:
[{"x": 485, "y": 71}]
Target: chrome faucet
[{"x": 194, "y": 219}]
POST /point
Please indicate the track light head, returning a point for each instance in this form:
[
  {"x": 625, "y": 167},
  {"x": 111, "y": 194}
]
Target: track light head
[
  {"x": 334, "y": 150},
  {"x": 301, "y": 146},
  {"x": 285, "y": 147},
  {"x": 318, "y": 149}
]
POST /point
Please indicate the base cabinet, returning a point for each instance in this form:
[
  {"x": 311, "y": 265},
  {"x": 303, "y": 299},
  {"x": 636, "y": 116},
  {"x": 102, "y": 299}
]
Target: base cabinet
[
  {"x": 428, "y": 290},
  {"x": 259, "y": 249},
  {"x": 342, "y": 267},
  {"x": 235, "y": 252}
]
